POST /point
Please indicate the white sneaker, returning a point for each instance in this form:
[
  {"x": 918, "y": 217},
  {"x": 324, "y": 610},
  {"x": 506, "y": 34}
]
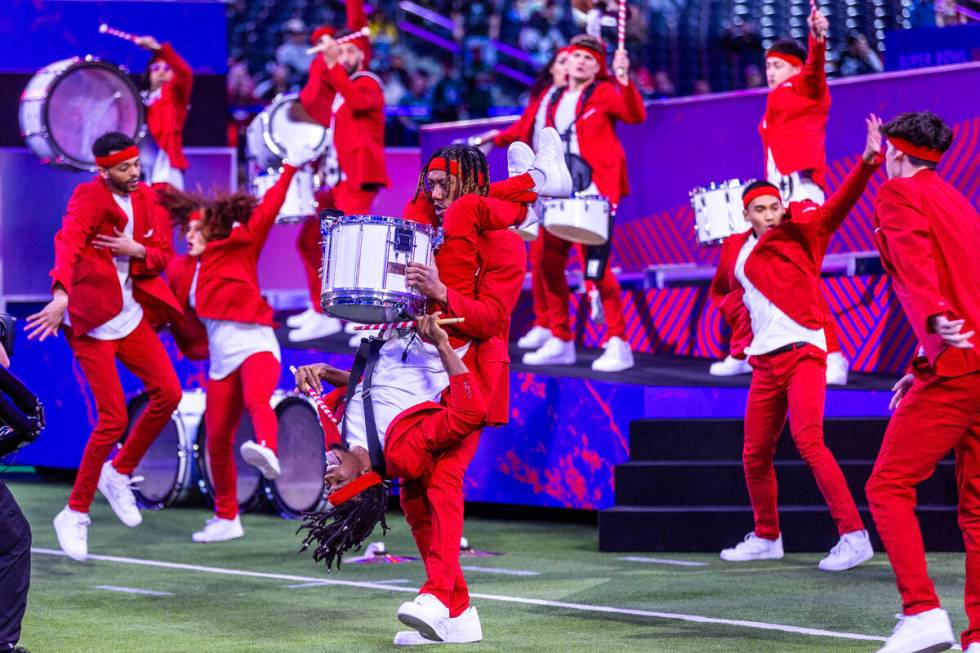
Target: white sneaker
[
  {"x": 851, "y": 550},
  {"x": 617, "y": 357},
  {"x": 531, "y": 227},
  {"x": 926, "y": 632},
  {"x": 464, "y": 629},
  {"x": 973, "y": 648},
  {"x": 520, "y": 157},
  {"x": 550, "y": 162},
  {"x": 117, "y": 488},
  {"x": 217, "y": 529},
  {"x": 754, "y": 548},
  {"x": 321, "y": 326},
  {"x": 349, "y": 328},
  {"x": 534, "y": 338},
  {"x": 554, "y": 351},
  {"x": 730, "y": 367},
  {"x": 71, "y": 527},
  {"x": 596, "y": 310},
  {"x": 355, "y": 340},
  {"x": 837, "y": 368},
  {"x": 427, "y": 615},
  {"x": 261, "y": 457},
  {"x": 298, "y": 320}
]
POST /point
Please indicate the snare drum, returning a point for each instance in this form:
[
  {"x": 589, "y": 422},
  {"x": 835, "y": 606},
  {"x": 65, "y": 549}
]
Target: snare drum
[
  {"x": 528, "y": 232},
  {"x": 282, "y": 124},
  {"x": 364, "y": 261},
  {"x": 167, "y": 468},
  {"x": 583, "y": 219},
  {"x": 300, "y": 202},
  {"x": 67, "y": 105},
  {"x": 300, "y": 487},
  {"x": 718, "y": 212}
]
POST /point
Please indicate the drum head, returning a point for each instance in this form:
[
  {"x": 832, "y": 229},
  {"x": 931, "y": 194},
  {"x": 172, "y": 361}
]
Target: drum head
[
  {"x": 249, "y": 478},
  {"x": 160, "y": 465},
  {"x": 288, "y": 124},
  {"x": 300, "y": 487},
  {"x": 576, "y": 234}
]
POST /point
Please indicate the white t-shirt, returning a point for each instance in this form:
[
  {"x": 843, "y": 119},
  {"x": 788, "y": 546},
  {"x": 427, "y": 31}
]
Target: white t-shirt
[
  {"x": 541, "y": 117},
  {"x": 803, "y": 188},
  {"x": 565, "y": 118},
  {"x": 230, "y": 342},
  {"x": 771, "y": 327}
]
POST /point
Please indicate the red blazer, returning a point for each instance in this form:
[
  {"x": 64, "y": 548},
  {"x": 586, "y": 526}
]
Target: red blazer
[
  {"x": 785, "y": 264},
  {"x": 189, "y": 332},
  {"x": 165, "y": 118},
  {"x": 928, "y": 235},
  {"x": 596, "y": 131},
  {"x": 523, "y": 129},
  {"x": 89, "y": 274},
  {"x": 795, "y": 123}
]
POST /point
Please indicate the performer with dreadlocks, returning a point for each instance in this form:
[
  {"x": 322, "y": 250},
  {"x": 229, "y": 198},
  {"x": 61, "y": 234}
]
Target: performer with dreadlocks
[{"x": 217, "y": 283}]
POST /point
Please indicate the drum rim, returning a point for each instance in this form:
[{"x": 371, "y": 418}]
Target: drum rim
[
  {"x": 277, "y": 148},
  {"x": 271, "y": 490},
  {"x": 378, "y": 295},
  {"x": 184, "y": 467},
  {"x": 369, "y": 218}
]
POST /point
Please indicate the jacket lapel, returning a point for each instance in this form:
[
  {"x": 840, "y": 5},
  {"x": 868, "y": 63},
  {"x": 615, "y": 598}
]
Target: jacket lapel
[{"x": 114, "y": 209}]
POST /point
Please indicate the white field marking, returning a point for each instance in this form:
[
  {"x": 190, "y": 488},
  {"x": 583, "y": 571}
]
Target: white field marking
[
  {"x": 320, "y": 583},
  {"x": 296, "y": 586},
  {"x": 499, "y": 570},
  {"x": 663, "y": 561},
  {"x": 132, "y": 590},
  {"x": 545, "y": 603}
]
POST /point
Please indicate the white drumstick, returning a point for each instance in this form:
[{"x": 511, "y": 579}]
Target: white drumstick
[
  {"x": 407, "y": 324},
  {"x": 321, "y": 405},
  {"x": 363, "y": 32},
  {"x": 621, "y": 26},
  {"x": 112, "y": 31}
]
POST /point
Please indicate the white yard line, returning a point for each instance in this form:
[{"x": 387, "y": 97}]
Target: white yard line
[
  {"x": 132, "y": 590},
  {"x": 664, "y": 561},
  {"x": 545, "y": 603},
  {"x": 499, "y": 570}
]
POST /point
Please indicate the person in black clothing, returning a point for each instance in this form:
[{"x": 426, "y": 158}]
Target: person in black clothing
[{"x": 15, "y": 569}]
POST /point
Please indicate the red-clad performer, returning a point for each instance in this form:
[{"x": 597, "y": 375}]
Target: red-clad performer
[
  {"x": 585, "y": 113},
  {"x": 768, "y": 287},
  {"x": 113, "y": 244},
  {"x": 217, "y": 283},
  {"x": 342, "y": 94},
  {"x": 170, "y": 79},
  {"x": 928, "y": 235}
]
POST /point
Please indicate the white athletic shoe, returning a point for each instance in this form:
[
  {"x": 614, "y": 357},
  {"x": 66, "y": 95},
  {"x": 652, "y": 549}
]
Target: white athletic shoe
[
  {"x": 550, "y": 162},
  {"x": 464, "y": 629},
  {"x": 261, "y": 457},
  {"x": 617, "y": 357},
  {"x": 554, "y": 351},
  {"x": 71, "y": 527},
  {"x": 754, "y": 548},
  {"x": 299, "y": 319},
  {"x": 320, "y": 326},
  {"x": 837, "y": 368},
  {"x": 851, "y": 550},
  {"x": 973, "y": 648},
  {"x": 534, "y": 338},
  {"x": 926, "y": 632},
  {"x": 349, "y": 328},
  {"x": 730, "y": 367},
  {"x": 427, "y": 615},
  {"x": 217, "y": 529},
  {"x": 520, "y": 157},
  {"x": 117, "y": 488}
]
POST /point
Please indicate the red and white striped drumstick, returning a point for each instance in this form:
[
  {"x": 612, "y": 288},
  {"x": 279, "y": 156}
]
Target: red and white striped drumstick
[
  {"x": 321, "y": 405},
  {"x": 407, "y": 324},
  {"x": 622, "y": 25},
  {"x": 112, "y": 31},
  {"x": 363, "y": 32}
]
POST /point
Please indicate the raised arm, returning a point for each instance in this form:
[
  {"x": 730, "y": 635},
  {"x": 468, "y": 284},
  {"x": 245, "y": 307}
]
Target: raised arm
[
  {"x": 183, "y": 78},
  {"x": 356, "y": 16},
  {"x": 812, "y": 82},
  {"x": 317, "y": 96},
  {"x": 626, "y": 104},
  {"x": 264, "y": 216},
  {"x": 836, "y": 208},
  {"x": 363, "y": 94}
]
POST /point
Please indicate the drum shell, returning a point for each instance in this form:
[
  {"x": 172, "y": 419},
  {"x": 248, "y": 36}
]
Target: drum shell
[
  {"x": 300, "y": 203},
  {"x": 300, "y": 487},
  {"x": 583, "y": 220},
  {"x": 718, "y": 212},
  {"x": 282, "y": 124}
]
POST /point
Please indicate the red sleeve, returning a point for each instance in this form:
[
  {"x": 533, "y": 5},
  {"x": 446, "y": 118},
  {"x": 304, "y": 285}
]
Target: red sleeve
[
  {"x": 264, "y": 216},
  {"x": 420, "y": 210},
  {"x": 78, "y": 225},
  {"x": 362, "y": 94},
  {"x": 159, "y": 247},
  {"x": 183, "y": 75},
  {"x": 627, "y": 104},
  {"x": 356, "y": 16},
  {"x": 497, "y": 292},
  {"x": 838, "y": 205},
  {"x": 812, "y": 81},
  {"x": 728, "y": 298},
  {"x": 905, "y": 232},
  {"x": 316, "y": 96},
  {"x": 466, "y": 412}
]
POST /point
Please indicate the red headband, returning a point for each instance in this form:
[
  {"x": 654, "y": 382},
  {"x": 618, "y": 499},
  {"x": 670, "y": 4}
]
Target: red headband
[
  {"x": 130, "y": 152},
  {"x": 760, "y": 191},
  {"x": 320, "y": 32},
  {"x": 792, "y": 60},
  {"x": 439, "y": 163},
  {"x": 918, "y": 151},
  {"x": 354, "y": 488},
  {"x": 598, "y": 56}
]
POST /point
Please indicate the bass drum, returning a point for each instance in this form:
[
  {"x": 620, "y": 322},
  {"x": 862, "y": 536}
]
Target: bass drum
[
  {"x": 302, "y": 457},
  {"x": 68, "y": 104},
  {"x": 167, "y": 467}
]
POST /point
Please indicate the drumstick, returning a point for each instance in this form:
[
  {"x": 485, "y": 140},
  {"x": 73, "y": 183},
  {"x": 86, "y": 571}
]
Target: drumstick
[
  {"x": 622, "y": 25},
  {"x": 321, "y": 406},
  {"x": 112, "y": 31},
  {"x": 364, "y": 31},
  {"x": 405, "y": 325}
]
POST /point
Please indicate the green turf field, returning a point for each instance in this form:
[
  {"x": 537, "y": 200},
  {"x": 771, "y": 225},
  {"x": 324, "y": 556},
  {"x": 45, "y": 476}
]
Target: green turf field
[{"x": 579, "y": 599}]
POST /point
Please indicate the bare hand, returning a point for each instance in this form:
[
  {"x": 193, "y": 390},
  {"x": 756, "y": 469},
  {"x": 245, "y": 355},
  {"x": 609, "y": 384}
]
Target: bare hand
[
  {"x": 621, "y": 66},
  {"x": 121, "y": 244},
  {"x": 425, "y": 279},
  {"x": 48, "y": 320},
  {"x": 872, "y": 147},
  {"x": 818, "y": 23},
  {"x": 309, "y": 376},
  {"x": 949, "y": 331},
  {"x": 900, "y": 388},
  {"x": 331, "y": 51},
  {"x": 429, "y": 329},
  {"x": 4, "y": 359},
  {"x": 147, "y": 42}
]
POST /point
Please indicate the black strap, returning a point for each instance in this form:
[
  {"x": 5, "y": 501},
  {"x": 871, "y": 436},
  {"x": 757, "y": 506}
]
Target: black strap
[{"x": 365, "y": 361}]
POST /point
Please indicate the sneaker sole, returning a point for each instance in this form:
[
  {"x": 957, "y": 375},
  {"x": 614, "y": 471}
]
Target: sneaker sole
[
  {"x": 258, "y": 461},
  {"x": 65, "y": 551},
  {"x": 421, "y": 627},
  {"x": 226, "y": 539},
  {"x": 752, "y": 559}
]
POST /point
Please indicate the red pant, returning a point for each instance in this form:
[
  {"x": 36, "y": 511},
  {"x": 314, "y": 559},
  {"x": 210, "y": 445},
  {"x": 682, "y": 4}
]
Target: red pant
[
  {"x": 248, "y": 388},
  {"x": 793, "y": 381},
  {"x": 143, "y": 354},
  {"x": 936, "y": 416},
  {"x": 539, "y": 293},
  {"x": 553, "y": 264},
  {"x": 349, "y": 200}
]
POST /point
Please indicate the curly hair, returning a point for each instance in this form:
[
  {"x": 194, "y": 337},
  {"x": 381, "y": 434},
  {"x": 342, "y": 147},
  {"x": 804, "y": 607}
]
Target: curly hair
[
  {"x": 347, "y": 526},
  {"x": 218, "y": 214},
  {"x": 474, "y": 172},
  {"x": 179, "y": 205}
]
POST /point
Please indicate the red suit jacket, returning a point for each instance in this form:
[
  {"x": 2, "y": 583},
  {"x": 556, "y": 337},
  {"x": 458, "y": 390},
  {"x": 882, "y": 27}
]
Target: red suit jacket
[
  {"x": 928, "y": 235},
  {"x": 795, "y": 123},
  {"x": 785, "y": 264},
  {"x": 89, "y": 274},
  {"x": 596, "y": 131},
  {"x": 165, "y": 118},
  {"x": 189, "y": 332},
  {"x": 523, "y": 129}
]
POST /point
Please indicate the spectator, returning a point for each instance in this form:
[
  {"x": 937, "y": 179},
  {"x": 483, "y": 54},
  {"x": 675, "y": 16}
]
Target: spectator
[
  {"x": 663, "y": 86},
  {"x": 241, "y": 88},
  {"x": 280, "y": 81},
  {"x": 743, "y": 47},
  {"x": 701, "y": 87},
  {"x": 858, "y": 58},
  {"x": 645, "y": 83},
  {"x": 415, "y": 108},
  {"x": 394, "y": 89},
  {"x": 292, "y": 52},
  {"x": 947, "y": 13},
  {"x": 753, "y": 76},
  {"x": 447, "y": 95}
]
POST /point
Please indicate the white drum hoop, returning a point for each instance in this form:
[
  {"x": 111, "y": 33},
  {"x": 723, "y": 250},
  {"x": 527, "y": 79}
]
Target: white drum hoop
[
  {"x": 578, "y": 233},
  {"x": 274, "y": 143},
  {"x": 300, "y": 487},
  {"x": 707, "y": 234}
]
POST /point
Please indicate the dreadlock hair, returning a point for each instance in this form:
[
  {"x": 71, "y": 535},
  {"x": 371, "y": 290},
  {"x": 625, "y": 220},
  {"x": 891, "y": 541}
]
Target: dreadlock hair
[
  {"x": 789, "y": 46},
  {"x": 218, "y": 214},
  {"x": 474, "y": 172},
  {"x": 347, "y": 526},
  {"x": 922, "y": 128}
]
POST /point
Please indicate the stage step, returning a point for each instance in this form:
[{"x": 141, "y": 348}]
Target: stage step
[
  {"x": 713, "y": 528},
  {"x": 722, "y": 482}
]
